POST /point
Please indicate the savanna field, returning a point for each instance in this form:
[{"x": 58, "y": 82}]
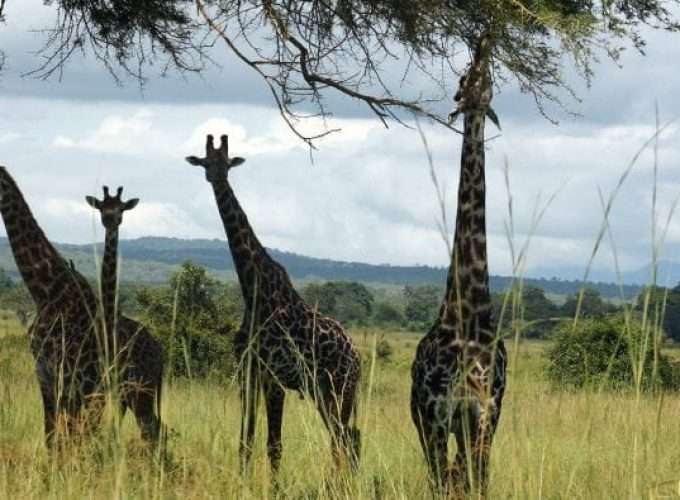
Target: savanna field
[{"x": 550, "y": 443}]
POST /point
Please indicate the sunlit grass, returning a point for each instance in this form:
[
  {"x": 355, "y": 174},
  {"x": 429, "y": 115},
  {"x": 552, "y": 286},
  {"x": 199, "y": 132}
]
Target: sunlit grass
[{"x": 549, "y": 444}]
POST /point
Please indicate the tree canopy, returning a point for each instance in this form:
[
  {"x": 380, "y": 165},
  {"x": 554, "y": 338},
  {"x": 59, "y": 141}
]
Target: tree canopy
[
  {"x": 348, "y": 302},
  {"x": 304, "y": 48},
  {"x": 194, "y": 319},
  {"x": 662, "y": 305}
]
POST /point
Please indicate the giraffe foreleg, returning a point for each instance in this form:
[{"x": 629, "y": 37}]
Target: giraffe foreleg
[
  {"x": 250, "y": 392},
  {"x": 274, "y": 397},
  {"x": 486, "y": 427},
  {"x": 474, "y": 429},
  {"x": 143, "y": 402},
  {"x": 432, "y": 422},
  {"x": 336, "y": 407},
  {"x": 49, "y": 417},
  {"x": 351, "y": 435}
]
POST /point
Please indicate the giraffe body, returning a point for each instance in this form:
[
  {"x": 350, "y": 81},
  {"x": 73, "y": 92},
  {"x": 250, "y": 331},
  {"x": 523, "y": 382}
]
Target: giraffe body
[
  {"x": 458, "y": 375},
  {"x": 63, "y": 339},
  {"x": 282, "y": 343},
  {"x": 71, "y": 350},
  {"x": 139, "y": 356}
]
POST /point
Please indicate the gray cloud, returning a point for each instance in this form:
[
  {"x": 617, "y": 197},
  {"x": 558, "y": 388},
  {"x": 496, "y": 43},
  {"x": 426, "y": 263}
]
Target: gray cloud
[{"x": 367, "y": 196}]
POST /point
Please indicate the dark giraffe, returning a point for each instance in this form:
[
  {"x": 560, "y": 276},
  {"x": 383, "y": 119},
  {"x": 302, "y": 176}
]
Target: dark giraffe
[
  {"x": 282, "y": 342},
  {"x": 139, "y": 355},
  {"x": 459, "y": 370},
  {"x": 63, "y": 338}
]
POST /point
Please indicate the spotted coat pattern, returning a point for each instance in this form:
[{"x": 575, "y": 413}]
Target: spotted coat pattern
[
  {"x": 458, "y": 375},
  {"x": 63, "y": 339},
  {"x": 140, "y": 356},
  {"x": 282, "y": 343}
]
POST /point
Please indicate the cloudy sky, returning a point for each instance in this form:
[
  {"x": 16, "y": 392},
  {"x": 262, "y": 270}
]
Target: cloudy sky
[{"x": 368, "y": 195}]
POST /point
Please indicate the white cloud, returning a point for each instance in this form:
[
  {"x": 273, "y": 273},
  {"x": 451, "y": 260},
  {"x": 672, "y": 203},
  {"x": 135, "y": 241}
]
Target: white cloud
[
  {"x": 164, "y": 219},
  {"x": 117, "y": 134},
  {"x": 367, "y": 196},
  {"x": 7, "y": 137}
]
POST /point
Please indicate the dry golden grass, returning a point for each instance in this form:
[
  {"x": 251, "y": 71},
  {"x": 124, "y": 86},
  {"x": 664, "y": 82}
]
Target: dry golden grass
[{"x": 549, "y": 444}]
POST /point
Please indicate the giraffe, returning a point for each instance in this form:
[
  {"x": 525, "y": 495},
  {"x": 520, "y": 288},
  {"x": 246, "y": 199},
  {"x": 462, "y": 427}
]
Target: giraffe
[
  {"x": 282, "y": 343},
  {"x": 458, "y": 374},
  {"x": 63, "y": 340},
  {"x": 139, "y": 355}
]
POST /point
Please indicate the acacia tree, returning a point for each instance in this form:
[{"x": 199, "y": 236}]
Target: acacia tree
[{"x": 306, "y": 49}]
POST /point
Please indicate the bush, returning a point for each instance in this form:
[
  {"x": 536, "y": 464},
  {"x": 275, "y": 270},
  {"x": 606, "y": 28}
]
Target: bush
[
  {"x": 194, "y": 319},
  {"x": 607, "y": 352},
  {"x": 199, "y": 355},
  {"x": 383, "y": 350},
  {"x": 422, "y": 305},
  {"x": 348, "y": 302},
  {"x": 387, "y": 314}
]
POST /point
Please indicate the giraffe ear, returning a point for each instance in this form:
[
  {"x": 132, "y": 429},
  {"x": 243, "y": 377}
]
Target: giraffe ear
[
  {"x": 195, "y": 161},
  {"x": 452, "y": 116},
  {"x": 491, "y": 114},
  {"x": 236, "y": 161},
  {"x": 92, "y": 201},
  {"x": 130, "y": 204}
]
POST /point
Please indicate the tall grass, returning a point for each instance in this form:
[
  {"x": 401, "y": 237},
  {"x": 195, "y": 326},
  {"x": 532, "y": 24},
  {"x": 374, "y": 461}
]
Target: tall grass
[{"x": 549, "y": 444}]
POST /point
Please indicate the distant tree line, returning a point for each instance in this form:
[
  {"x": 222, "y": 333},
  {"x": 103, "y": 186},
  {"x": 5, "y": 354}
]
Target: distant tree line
[{"x": 195, "y": 315}]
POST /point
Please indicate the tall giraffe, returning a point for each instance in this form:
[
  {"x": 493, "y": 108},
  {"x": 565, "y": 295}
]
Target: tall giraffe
[
  {"x": 458, "y": 374},
  {"x": 63, "y": 338},
  {"x": 282, "y": 342},
  {"x": 139, "y": 355}
]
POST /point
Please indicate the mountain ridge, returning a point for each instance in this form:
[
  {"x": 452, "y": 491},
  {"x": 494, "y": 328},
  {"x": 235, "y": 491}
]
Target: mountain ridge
[{"x": 152, "y": 259}]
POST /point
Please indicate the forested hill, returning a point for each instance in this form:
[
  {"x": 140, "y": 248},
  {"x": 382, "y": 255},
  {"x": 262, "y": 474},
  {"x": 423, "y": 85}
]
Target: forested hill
[{"x": 153, "y": 259}]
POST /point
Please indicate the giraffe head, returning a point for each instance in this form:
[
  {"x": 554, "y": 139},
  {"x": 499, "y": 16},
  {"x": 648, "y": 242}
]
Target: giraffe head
[
  {"x": 112, "y": 207},
  {"x": 474, "y": 90},
  {"x": 216, "y": 161},
  {"x": 475, "y": 87}
]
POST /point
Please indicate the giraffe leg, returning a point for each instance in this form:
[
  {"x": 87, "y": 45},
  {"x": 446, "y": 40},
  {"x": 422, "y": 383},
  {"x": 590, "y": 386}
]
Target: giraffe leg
[
  {"x": 144, "y": 402},
  {"x": 459, "y": 475},
  {"x": 436, "y": 449},
  {"x": 336, "y": 409},
  {"x": 433, "y": 435},
  {"x": 49, "y": 417},
  {"x": 474, "y": 433},
  {"x": 328, "y": 410},
  {"x": 91, "y": 414},
  {"x": 250, "y": 388},
  {"x": 274, "y": 396},
  {"x": 486, "y": 427},
  {"x": 351, "y": 435}
]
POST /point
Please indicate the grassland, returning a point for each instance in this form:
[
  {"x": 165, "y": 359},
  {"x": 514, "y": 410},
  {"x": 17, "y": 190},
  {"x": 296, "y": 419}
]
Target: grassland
[{"x": 550, "y": 444}]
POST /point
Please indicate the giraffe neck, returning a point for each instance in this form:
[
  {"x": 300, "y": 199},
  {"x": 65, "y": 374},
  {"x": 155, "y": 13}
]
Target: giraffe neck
[
  {"x": 109, "y": 280},
  {"x": 40, "y": 265},
  {"x": 251, "y": 260},
  {"x": 467, "y": 303}
]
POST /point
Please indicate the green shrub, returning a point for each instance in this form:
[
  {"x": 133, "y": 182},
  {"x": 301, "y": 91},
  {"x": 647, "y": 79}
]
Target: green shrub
[
  {"x": 383, "y": 350},
  {"x": 608, "y": 352},
  {"x": 199, "y": 354},
  {"x": 387, "y": 314},
  {"x": 195, "y": 319}
]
